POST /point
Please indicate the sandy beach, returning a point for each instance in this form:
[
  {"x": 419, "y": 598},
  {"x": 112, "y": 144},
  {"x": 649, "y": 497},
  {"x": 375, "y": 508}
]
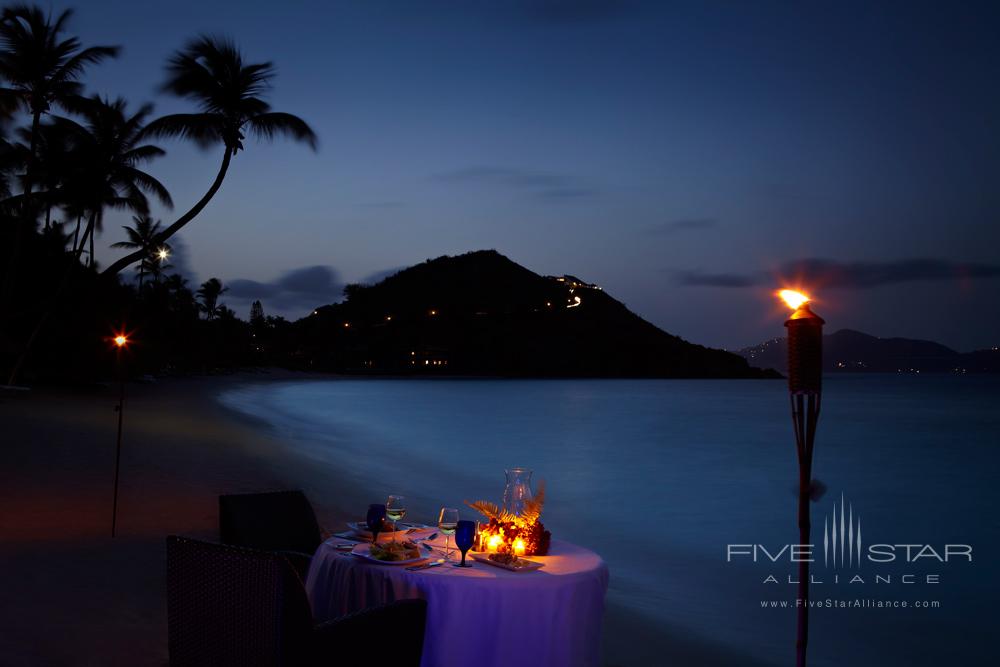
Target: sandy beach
[{"x": 64, "y": 576}]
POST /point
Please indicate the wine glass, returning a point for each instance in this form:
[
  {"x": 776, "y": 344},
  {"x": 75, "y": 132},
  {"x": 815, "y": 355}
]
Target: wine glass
[
  {"x": 376, "y": 514},
  {"x": 395, "y": 509},
  {"x": 465, "y": 535},
  {"x": 446, "y": 524}
]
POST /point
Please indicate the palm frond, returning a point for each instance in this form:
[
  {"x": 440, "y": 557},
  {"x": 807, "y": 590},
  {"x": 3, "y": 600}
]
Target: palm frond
[
  {"x": 486, "y": 508},
  {"x": 204, "y": 129},
  {"x": 269, "y": 125},
  {"x": 533, "y": 507}
]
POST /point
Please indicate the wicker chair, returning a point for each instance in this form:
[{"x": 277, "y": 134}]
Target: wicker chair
[
  {"x": 276, "y": 521},
  {"x": 236, "y": 607}
]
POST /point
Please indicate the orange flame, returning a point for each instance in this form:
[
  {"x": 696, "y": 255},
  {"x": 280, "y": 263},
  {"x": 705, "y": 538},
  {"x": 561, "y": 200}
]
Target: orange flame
[
  {"x": 793, "y": 299},
  {"x": 121, "y": 340}
]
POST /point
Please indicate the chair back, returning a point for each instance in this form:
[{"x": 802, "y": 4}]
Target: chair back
[
  {"x": 275, "y": 521},
  {"x": 231, "y": 606}
]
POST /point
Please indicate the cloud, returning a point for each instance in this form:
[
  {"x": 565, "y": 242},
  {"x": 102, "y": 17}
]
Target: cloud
[
  {"x": 548, "y": 185},
  {"x": 574, "y": 11},
  {"x": 682, "y": 225},
  {"x": 701, "y": 279},
  {"x": 379, "y": 276},
  {"x": 830, "y": 273},
  {"x": 383, "y": 204},
  {"x": 860, "y": 275},
  {"x": 292, "y": 293}
]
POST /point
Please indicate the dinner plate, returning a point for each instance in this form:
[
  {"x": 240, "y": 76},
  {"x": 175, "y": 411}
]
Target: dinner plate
[
  {"x": 524, "y": 565},
  {"x": 361, "y": 551},
  {"x": 360, "y": 528}
]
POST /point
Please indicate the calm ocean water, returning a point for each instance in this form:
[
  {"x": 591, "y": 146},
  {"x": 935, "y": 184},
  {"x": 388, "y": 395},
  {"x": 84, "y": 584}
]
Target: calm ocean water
[{"x": 659, "y": 476}]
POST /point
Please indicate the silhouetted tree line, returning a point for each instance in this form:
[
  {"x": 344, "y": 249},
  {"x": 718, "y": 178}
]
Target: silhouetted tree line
[{"x": 66, "y": 158}]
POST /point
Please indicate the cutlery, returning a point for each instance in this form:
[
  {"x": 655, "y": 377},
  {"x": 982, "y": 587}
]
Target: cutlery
[
  {"x": 424, "y": 566},
  {"x": 424, "y": 544}
]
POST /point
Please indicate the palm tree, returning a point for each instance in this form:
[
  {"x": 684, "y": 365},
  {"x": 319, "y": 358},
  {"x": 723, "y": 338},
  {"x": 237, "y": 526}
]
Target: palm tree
[
  {"x": 104, "y": 173},
  {"x": 209, "y": 293},
  {"x": 141, "y": 236},
  {"x": 41, "y": 67},
  {"x": 229, "y": 94},
  {"x": 108, "y": 154}
]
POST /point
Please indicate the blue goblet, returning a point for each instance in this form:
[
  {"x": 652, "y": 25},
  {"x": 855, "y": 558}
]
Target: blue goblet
[
  {"x": 465, "y": 536},
  {"x": 375, "y": 517}
]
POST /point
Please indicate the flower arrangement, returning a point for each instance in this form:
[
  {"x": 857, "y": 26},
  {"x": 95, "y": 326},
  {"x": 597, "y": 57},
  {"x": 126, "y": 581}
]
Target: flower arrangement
[{"x": 519, "y": 534}]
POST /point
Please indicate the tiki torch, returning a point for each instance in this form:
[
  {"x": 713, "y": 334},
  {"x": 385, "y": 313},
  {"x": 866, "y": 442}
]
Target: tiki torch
[
  {"x": 805, "y": 372},
  {"x": 120, "y": 341}
]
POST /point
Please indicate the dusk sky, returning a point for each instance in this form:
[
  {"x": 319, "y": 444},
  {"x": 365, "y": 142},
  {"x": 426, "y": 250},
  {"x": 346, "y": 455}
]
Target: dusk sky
[{"x": 685, "y": 156}]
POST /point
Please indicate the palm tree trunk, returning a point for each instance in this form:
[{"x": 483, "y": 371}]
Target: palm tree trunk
[
  {"x": 90, "y": 258},
  {"x": 53, "y": 300},
  {"x": 131, "y": 258},
  {"x": 15, "y": 246},
  {"x": 76, "y": 232}
]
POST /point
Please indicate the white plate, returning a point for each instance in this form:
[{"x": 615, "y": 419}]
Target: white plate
[
  {"x": 360, "y": 528},
  {"x": 524, "y": 566},
  {"x": 362, "y": 551}
]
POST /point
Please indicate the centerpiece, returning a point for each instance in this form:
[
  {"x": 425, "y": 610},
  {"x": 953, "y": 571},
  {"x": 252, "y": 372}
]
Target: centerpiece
[{"x": 516, "y": 528}]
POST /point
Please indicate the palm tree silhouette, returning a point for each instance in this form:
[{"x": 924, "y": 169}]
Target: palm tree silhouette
[
  {"x": 104, "y": 173},
  {"x": 141, "y": 237},
  {"x": 109, "y": 154},
  {"x": 229, "y": 94},
  {"x": 209, "y": 293},
  {"x": 41, "y": 69}
]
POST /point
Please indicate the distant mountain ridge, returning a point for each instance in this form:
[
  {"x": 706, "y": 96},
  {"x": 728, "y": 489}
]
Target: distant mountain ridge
[
  {"x": 482, "y": 314},
  {"x": 847, "y": 350}
]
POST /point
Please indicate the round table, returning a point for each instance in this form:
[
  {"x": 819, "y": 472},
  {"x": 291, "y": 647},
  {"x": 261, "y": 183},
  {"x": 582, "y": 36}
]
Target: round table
[{"x": 483, "y": 615}]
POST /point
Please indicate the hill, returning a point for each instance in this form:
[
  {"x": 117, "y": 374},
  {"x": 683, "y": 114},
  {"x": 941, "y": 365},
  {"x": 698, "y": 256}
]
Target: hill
[
  {"x": 482, "y": 314},
  {"x": 853, "y": 351}
]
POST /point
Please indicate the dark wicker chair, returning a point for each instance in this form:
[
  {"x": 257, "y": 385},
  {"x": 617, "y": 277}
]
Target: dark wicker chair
[
  {"x": 236, "y": 607},
  {"x": 276, "y": 521}
]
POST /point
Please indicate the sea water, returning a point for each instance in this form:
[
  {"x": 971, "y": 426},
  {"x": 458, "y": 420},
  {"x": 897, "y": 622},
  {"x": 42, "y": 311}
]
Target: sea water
[{"x": 663, "y": 477}]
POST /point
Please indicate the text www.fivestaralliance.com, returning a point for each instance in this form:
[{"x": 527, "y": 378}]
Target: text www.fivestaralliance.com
[{"x": 852, "y": 603}]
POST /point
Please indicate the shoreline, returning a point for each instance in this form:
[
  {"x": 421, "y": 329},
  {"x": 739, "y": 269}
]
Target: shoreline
[{"x": 182, "y": 447}]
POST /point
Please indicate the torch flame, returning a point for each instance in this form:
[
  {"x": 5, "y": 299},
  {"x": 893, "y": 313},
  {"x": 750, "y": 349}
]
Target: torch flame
[
  {"x": 793, "y": 299},
  {"x": 120, "y": 340}
]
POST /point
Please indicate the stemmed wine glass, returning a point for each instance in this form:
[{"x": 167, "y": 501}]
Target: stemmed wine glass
[
  {"x": 376, "y": 514},
  {"x": 395, "y": 509},
  {"x": 446, "y": 524},
  {"x": 465, "y": 535}
]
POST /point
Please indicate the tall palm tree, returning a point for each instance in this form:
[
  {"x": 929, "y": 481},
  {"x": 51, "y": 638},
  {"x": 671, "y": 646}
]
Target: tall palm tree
[
  {"x": 41, "y": 67},
  {"x": 229, "y": 95},
  {"x": 108, "y": 154},
  {"x": 141, "y": 237},
  {"x": 105, "y": 157},
  {"x": 209, "y": 293}
]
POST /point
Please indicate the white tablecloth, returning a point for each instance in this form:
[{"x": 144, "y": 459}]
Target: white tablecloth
[{"x": 481, "y": 616}]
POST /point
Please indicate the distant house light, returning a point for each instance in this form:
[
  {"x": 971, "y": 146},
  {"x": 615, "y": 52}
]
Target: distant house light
[
  {"x": 347, "y": 325},
  {"x": 434, "y": 312},
  {"x": 388, "y": 318}
]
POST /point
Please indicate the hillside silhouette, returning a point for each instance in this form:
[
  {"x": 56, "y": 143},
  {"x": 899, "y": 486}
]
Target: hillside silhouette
[
  {"x": 847, "y": 350},
  {"x": 482, "y": 314}
]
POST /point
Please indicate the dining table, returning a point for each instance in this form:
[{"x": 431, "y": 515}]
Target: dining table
[{"x": 483, "y": 615}]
